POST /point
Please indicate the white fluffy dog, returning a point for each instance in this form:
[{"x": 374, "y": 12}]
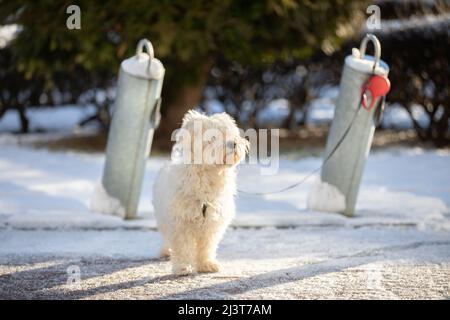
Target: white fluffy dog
[{"x": 193, "y": 196}]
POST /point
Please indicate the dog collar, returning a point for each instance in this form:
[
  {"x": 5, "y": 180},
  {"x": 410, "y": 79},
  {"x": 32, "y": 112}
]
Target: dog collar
[{"x": 204, "y": 207}]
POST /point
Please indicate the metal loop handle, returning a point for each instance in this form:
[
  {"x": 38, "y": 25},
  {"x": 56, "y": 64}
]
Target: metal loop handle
[
  {"x": 145, "y": 43},
  {"x": 376, "y": 44}
]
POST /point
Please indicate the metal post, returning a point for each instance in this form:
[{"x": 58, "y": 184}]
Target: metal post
[
  {"x": 341, "y": 174},
  {"x": 135, "y": 117}
]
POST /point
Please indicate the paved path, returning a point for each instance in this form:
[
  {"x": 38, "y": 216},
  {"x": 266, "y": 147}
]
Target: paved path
[
  {"x": 396, "y": 246},
  {"x": 279, "y": 263}
]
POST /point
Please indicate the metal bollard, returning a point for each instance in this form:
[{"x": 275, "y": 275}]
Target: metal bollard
[
  {"x": 135, "y": 117},
  {"x": 362, "y": 78}
]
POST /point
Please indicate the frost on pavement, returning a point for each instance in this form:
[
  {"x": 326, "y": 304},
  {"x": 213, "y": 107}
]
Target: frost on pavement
[
  {"x": 102, "y": 202},
  {"x": 326, "y": 197}
]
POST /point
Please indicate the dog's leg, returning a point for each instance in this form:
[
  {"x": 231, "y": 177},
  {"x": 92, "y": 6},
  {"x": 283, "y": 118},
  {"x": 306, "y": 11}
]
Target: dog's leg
[
  {"x": 206, "y": 250},
  {"x": 165, "y": 250},
  {"x": 183, "y": 251}
]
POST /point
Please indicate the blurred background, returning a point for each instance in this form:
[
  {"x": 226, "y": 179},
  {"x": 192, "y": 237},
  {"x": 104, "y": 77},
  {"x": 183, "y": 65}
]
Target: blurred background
[{"x": 270, "y": 64}]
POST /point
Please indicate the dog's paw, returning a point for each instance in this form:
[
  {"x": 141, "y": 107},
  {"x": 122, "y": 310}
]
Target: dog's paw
[
  {"x": 164, "y": 253},
  {"x": 183, "y": 269},
  {"x": 209, "y": 266}
]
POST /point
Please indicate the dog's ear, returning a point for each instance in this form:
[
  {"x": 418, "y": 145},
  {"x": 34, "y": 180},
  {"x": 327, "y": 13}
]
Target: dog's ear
[{"x": 190, "y": 116}]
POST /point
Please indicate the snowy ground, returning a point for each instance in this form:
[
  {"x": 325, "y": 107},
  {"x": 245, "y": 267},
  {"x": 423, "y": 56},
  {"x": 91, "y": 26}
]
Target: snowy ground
[{"x": 397, "y": 245}]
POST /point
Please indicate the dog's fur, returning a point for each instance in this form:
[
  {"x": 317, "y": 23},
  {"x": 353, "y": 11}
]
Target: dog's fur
[{"x": 194, "y": 203}]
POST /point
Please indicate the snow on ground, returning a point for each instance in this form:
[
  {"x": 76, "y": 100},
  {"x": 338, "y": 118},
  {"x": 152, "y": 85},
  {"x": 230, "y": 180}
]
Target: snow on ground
[
  {"x": 47, "y": 118},
  {"x": 8, "y": 33},
  {"x": 397, "y": 245},
  {"x": 321, "y": 111},
  {"x": 269, "y": 263},
  {"x": 42, "y": 189},
  {"x": 429, "y": 20}
]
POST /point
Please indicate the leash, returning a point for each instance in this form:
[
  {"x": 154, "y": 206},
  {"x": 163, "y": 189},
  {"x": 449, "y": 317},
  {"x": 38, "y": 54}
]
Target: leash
[
  {"x": 362, "y": 104},
  {"x": 344, "y": 135}
]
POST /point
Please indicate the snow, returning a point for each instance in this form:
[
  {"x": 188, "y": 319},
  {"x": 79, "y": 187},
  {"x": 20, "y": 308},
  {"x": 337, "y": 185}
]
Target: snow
[
  {"x": 82, "y": 243},
  {"x": 274, "y": 113},
  {"x": 269, "y": 263},
  {"x": 326, "y": 198},
  {"x": 396, "y": 246},
  {"x": 8, "y": 33},
  {"x": 321, "y": 109},
  {"x": 53, "y": 190},
  {"x": 47, "y": 118},
  {"x": 102, "y": 202},
  {"x": 414, "y": 22},
  {"x": 50, "y": 190}
]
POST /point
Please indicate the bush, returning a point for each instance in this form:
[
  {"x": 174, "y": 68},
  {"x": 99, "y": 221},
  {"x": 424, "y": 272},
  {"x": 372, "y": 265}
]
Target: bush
[
  {"x": 188, "y": 36},
  {"x": 18, "y": 92},
  {"x": 420, "y": 75}
]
